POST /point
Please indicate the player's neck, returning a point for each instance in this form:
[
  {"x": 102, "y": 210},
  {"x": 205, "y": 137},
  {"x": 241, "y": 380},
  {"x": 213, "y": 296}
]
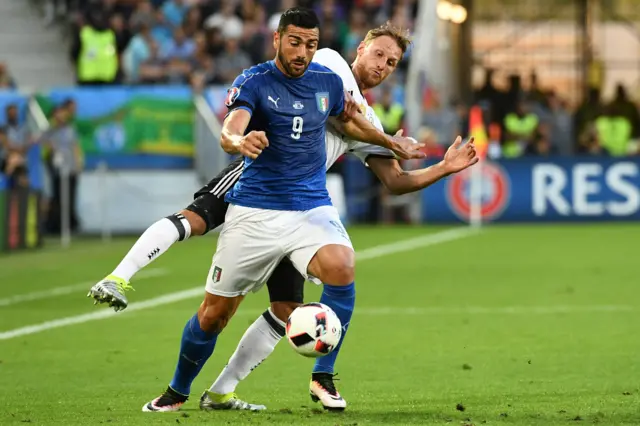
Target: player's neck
[{"x": 361, "y": 86}]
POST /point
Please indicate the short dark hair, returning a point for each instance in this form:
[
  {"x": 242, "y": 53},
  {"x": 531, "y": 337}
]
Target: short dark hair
[{"x": 298, "y": 17}]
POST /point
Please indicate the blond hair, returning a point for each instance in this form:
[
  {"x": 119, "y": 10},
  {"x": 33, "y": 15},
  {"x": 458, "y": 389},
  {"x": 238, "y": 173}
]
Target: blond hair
[{"x": 401, "y": 36}]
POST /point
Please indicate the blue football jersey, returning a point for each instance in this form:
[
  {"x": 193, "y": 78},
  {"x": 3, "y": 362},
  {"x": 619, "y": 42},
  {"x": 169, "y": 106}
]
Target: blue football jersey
[{"x": 290, "y": 173}]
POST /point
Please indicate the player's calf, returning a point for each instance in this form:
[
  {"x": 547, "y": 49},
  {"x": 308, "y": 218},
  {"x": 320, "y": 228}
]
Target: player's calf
[{"x": 216, "y": 311}]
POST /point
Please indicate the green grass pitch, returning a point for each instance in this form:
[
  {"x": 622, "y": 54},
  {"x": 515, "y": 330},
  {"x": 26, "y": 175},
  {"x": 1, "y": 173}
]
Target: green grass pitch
[{"x": 517, "y": 325}]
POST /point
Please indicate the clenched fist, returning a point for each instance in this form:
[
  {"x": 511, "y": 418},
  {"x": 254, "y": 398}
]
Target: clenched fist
[{"x": 253, "y": 143}]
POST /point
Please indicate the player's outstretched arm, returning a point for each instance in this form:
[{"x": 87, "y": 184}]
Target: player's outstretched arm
[
  {"x": 233, "y": 139},
  {"x": 360, "y": 129},
  {"x": 399, "y": 181}
]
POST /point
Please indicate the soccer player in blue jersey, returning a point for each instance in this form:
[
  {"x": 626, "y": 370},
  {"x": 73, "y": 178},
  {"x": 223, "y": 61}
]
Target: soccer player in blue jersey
[{"x": 280, "y": 206}]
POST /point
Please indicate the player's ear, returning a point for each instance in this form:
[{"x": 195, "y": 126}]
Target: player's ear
[
  {"x": 276, "y": 39},
  {"x": 361, "y": 47}
]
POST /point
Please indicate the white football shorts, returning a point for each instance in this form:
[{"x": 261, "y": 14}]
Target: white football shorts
[{"x": 253, "y": 241}]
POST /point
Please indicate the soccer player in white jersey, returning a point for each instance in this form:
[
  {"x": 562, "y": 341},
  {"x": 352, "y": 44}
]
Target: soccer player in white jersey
[{"x": 375, "y": 62}]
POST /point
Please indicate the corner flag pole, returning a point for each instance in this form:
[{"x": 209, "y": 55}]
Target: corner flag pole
[{"x": 477, "y": 131}]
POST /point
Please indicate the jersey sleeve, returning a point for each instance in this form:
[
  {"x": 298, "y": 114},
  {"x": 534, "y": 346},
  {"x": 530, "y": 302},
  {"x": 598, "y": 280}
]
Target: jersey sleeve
[
  {"x": 243, "y": 93},
  {"x": 336, "y": 63},
  {"x": 337, "y": 95}
]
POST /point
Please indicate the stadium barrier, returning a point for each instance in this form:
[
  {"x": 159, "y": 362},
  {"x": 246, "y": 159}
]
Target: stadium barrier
[
  {"x": 541, "y": 190},
  {"x": 556, "y": 189}
]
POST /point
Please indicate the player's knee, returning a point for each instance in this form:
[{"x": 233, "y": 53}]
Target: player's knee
[
  {"x": 282, "y": 310},
  {"x": 196, "y": 222},
  {"x": 341, "y": 274},
  {"x": 215, "y": 312},
  {"x": 336, "y": 264}
]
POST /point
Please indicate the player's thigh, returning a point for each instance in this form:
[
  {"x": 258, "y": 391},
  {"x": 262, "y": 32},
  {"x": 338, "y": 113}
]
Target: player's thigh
[
  {"x": 208, "y": 209},
  {"x": 247, "y": 253},
  {"x": 205, "y": 213},
  {"x": 323, "y": 234}
]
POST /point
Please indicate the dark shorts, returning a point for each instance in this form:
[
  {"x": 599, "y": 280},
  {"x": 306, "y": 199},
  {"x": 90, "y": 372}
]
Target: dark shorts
[{"x": 285, "y": 284}]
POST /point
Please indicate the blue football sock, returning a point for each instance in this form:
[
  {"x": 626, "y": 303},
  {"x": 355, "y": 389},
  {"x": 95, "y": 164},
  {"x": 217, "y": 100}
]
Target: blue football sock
[
  {"x": 195, "y": 349},
  {"x": 342, "y": 300}
]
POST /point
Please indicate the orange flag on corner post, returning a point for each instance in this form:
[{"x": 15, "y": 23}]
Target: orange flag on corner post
[{"x": 477, "y": 131}]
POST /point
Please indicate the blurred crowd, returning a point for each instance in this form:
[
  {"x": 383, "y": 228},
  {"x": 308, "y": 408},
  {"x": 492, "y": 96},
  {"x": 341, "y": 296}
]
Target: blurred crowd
[
  {"x": 528, "y": 119},
  {"x": 59, "y": 148},
  {"x": 204, "y": 42}
]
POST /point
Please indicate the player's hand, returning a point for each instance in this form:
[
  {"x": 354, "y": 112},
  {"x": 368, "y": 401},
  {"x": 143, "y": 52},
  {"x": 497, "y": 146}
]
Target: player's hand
[
  {"x": 351, "y": 107},
  {"x": 252, "y": 144},
  {"x": 405, "y": 147},
  {"x": 458, "y": 157}
]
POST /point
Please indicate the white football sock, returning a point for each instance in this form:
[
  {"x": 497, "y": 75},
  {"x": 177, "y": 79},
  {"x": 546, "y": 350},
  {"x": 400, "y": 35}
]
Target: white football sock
[
  {"x": 152, "y": 243},
  {"x": 256, "y": 345}
]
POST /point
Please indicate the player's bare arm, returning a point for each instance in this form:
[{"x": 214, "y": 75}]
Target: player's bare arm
[
  {"x": 233, "y": 139},
  {"x": 399, "y": 181},
  {"x": 359, "y": 128}
]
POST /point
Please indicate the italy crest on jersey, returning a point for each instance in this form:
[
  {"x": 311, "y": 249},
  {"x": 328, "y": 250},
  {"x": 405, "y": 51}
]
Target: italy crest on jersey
[{"x": 323, "y": 102}]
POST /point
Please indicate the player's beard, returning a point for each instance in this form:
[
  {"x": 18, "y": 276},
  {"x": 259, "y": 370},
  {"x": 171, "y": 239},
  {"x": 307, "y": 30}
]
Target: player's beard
[{"x": 287, "y": 65}]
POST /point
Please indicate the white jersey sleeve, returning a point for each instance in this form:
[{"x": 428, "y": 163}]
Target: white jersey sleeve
[
  {"x": 336, "y": 143},
  {"x": 336, "y": 63}
]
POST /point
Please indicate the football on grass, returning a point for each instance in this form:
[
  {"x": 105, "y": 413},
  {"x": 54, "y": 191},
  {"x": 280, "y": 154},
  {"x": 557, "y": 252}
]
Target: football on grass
[{"x": 314, "y": 330}]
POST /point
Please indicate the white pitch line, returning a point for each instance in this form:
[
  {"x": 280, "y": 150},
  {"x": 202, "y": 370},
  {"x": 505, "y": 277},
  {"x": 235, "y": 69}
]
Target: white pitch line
[
  {"x": 59, "y": 291},
  {"x": 371, "y": 253}
]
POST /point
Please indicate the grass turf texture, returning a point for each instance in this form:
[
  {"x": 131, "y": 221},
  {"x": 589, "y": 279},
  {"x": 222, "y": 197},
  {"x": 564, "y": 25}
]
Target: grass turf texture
[{"x": 519, "y": 325}]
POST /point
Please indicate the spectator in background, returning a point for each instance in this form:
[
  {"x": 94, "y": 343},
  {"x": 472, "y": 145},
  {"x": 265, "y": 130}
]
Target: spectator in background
[
  {"x": 232, "y": 61},
  {"x": 153, "y": 69},
  {"x": 15, "y": 141},
  {"x": 540, "y": 146},
  {"x": 627, "y": 109},
  {"x": 560, "y": 126},
  {"x": 613, "y": 130},
  {"x": 586, "y": 113},
  {"x": 390, "y": 113},
  {"x": 174, "y": 12},
  {"x": 138, "y": 51},
  {"x": 520, "y": 128},
  {"x": 589, "y": 142},
  {"x": 202, "y": 63},
  {"x": 444, "y": 121},
  {"x": 490, "y": 98},
  {"x": 226, "y": 20},
  {"x": 357, "y": 31},
  {"x": 535, "y": 93},
  {"x": 6, "y": 81},
  {"x": 143, "y": 17},
  {"x": 215, "y": 42},
  {"x": 72, "y": 108},
  {"x": 192, "y": 22},
  {"x": 123, "y": 36},
  {"x": 256, "y": 36},
  {"x": 180, "y": 47},
  {"x": 120, "y": 30},
  {"x": 333, "y": 18},
  {"x": 95, "y": 52},
  {"x": 64, "y": 157}
]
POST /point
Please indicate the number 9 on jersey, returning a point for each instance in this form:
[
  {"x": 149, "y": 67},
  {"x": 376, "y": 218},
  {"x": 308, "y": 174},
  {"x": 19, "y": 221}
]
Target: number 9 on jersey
[{"x": 297, "y": 127}]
